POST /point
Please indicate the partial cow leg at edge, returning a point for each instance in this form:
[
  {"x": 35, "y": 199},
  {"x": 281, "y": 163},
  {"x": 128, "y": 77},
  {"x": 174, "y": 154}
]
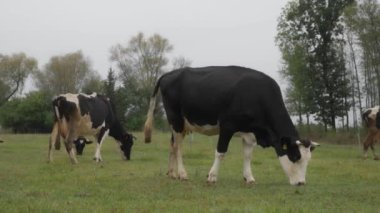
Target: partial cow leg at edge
[
  {"x": 248, "y": 144},
  {"x": 224, "y": 139}
]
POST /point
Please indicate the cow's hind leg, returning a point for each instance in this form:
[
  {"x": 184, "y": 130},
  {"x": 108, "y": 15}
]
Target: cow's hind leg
[
  {"x": 100, "y": 138},
  {"x": 52, "y": 141},
  {"x": 176, "y": 157},
  {"x": 172, "y": 159},
  {"x": 375, "y": 156},
  {"x": 248, "y": 144},
  {"x": 366, "y": 145},
  {"x": 223, "y": 141}
]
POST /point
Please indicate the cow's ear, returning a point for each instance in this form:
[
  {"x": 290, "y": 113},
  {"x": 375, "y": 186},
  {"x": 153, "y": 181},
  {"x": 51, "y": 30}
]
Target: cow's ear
[
  {"x": 292, "y": 150},
  {"x": 313, "y": 145},
  {"x": 88, "y": 142}
]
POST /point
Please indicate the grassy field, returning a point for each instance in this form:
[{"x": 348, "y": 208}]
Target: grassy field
[{"x": 338, "y": 180}]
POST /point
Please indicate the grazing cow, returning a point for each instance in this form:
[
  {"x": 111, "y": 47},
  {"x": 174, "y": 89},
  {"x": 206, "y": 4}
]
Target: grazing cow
[
  {"x": 80, "y": 114},
  {"x": 225, "y": 101},
  {"x": 371, "y": 119}
]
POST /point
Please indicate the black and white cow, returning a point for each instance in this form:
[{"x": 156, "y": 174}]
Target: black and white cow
[
  {"x": 81, "y": 114},
  {"x": 227, "y": 101}
]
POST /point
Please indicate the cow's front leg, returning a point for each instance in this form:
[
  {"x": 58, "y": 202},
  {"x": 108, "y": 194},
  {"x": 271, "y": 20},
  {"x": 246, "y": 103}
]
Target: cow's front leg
[
  {"x": 100, "y": 138},
  {"x": 71, "y": 151},
  {"x": 213, "y": 173},
  {"x": 223, "y": 141},
  {"x": 248, "y": 144}
]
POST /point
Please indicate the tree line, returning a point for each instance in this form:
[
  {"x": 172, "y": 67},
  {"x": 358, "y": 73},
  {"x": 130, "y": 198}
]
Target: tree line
[
  {"x": 330, "y": 53},
  {"x": 330, "y": 59},
  {"x": 138, "y": 64}
]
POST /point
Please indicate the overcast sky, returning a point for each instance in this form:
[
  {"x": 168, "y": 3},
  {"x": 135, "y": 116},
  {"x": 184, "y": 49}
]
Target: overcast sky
[{"x": 207, "y": 32}]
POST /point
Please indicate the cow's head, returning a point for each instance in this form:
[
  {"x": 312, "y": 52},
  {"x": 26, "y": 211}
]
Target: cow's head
[
  {"x": 295, "y": 157},
  {"x": 80, "y": 143},
  {"x": 126, "y": 144}
]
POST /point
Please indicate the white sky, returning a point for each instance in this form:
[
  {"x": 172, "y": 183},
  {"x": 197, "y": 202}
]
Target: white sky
[{"x": 207, "y": 32}]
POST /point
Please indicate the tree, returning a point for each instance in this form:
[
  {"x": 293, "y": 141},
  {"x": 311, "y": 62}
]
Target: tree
[
  {"x": 14, "y": 70},
  {"x": 294, "y": 47},
  {"x": 93, "y": 84},
  {"x": 314, "y": 28},
  {"x": 142, "y": 59},
  {"x": 110, "y": 84},
  {"x": 66, "y": 73},
  {"x": 140, "y": 64},
  {"x": 364, "y": 21},
  {"x": 180, "y": 62}
]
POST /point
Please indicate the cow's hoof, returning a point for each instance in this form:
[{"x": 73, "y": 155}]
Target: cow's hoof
[
  {"x": 376, "y": 158},
  {"x": 249, "y": 181},
  {"x": 211, "y": 178},
  {"x": 171, "y": 175},
  {"x": 97, "y": 159},
  {"x": 182, "y": 176}
]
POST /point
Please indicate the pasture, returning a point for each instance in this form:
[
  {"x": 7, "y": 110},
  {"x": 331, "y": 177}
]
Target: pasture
[{"x": 338, "y": 179}]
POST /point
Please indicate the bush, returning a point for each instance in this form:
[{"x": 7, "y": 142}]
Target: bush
[
  {"x": 317, "y": 133},
  {"x": 32, "y": 113}
]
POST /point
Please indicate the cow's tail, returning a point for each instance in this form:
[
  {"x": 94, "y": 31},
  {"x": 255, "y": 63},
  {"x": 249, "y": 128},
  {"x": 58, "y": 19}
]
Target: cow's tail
[{"x": 148, "y": 127}]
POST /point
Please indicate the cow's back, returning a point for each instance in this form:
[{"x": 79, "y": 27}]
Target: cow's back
[
  {"x": 85, "y": 113},
  {"x": 209, "y": 91}
]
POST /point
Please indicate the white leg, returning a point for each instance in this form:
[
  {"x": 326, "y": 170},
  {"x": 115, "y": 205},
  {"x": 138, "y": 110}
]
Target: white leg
[
  {"x": 248, "y": 144},
  {"x": 172, "y": 159},
  {"x": 182, "y": 174},
  {"x": 98, "y": 156},
  {"x": 213, "y": 174}
]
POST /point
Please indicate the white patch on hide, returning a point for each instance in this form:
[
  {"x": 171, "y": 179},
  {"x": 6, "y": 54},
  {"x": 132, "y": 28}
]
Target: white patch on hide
[{"x": 205, "y": 129}]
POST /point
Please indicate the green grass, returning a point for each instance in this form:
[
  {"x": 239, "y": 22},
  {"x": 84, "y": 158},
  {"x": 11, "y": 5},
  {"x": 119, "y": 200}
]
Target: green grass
[{"x": 338, "y": 180}]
